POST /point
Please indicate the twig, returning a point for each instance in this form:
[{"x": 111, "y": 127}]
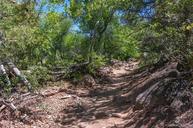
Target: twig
[{"x": 7, "y": 104}]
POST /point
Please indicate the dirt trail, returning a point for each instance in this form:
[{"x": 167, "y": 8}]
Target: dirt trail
[
  {"x": 111, "y": 103},
  {"x": 65, "y": 107}
]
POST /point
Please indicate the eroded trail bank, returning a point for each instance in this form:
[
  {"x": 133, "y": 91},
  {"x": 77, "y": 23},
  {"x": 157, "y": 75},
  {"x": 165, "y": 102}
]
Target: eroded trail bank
[{"x": 124, "y": 97}]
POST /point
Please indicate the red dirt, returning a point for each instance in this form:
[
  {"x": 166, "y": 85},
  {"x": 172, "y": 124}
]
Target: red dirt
[{"x": 63, "y": 106}]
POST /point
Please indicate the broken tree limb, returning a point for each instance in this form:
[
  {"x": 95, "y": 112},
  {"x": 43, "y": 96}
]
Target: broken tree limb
[
  {"x": 60, "y": 72},
  {"x": 73, "y": 68},
  {"x": 8, "y": 104},
  {"x": 2, "y": 108},
  {"x": 17, "y": 72},
  {"x": 4, "y": 76},
  {"x": 79, "y": 67}
]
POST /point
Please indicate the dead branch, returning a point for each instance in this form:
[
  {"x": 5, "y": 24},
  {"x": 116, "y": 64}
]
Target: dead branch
[{"x": 9, "y": 104}]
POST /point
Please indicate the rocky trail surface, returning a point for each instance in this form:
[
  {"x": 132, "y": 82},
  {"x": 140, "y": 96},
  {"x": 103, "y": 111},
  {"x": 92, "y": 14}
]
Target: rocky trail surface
[{"x": 111, "y": 102}]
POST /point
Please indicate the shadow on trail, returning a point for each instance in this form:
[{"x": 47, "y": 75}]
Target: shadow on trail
[
  {"x": 166, "y": 98},
  {"x": 140, "y": 98},
  {"x": 103, "y": 102}
]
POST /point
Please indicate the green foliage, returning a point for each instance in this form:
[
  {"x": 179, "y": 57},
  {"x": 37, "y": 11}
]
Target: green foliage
[
  {"x": 37, "y": 76},
  {"x": 5, "y": 85},
  {"x": 99, "y": 21},
  {"x": 39, "y": 40},
  {"x": 122, "y": 46},
  {"x": 54, "y": 28},
  {"x": 98, "y": 61},
  {"x": 166, "y": 36}
]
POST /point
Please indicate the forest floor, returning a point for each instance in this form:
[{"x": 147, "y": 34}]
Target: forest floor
[{"x": 102, "y": 105}]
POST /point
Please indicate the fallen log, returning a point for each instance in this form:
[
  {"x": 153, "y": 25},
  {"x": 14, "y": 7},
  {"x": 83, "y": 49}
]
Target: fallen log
[{"x": 61, "y": 72}]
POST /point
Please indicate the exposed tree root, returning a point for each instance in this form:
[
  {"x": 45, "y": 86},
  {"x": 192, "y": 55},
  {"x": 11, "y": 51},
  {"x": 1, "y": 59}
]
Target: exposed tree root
[{"x": 165, "y": 95}]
